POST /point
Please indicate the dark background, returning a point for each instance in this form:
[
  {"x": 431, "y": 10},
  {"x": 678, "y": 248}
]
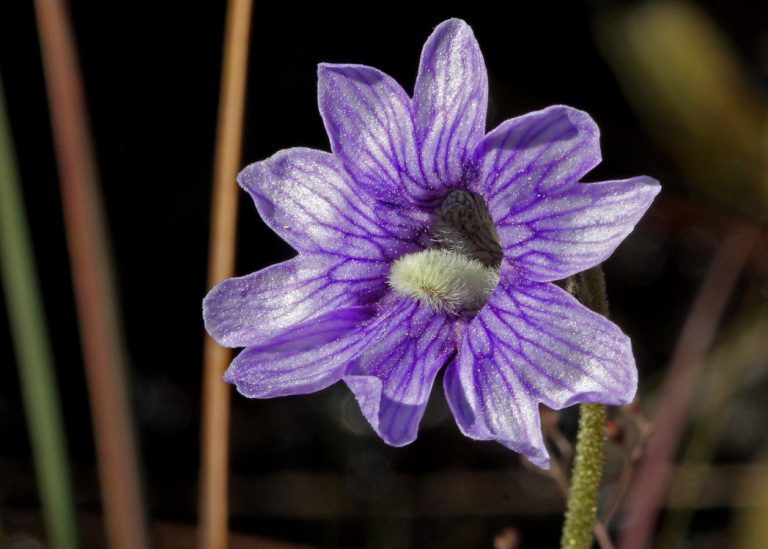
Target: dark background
[{"x": 151, "y": 72}]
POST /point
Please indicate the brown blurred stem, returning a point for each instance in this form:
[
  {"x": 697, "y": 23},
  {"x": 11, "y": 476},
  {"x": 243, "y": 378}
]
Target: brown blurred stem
[
  {"x": 95, "y": 296},
  {"x": 647, "y": 494},
  {"x": 221, "y": 265}
]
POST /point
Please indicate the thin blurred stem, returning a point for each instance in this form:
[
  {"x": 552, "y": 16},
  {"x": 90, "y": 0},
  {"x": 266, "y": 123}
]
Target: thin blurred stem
[
  {"x": 558, "y": 474},
  {"x": 676, "y": 396},
  {"x": 581, "y": 512},
  {"x": 221, "y": 264},
  {"x": 95, "y": 296},
  {"x": 632, "y": 455},
  {"x": 631, "y": 459},
  {"x": 602, "y": 536},
  {"x": 726, "y": 374},
  {"x": 33, "y": 354}
]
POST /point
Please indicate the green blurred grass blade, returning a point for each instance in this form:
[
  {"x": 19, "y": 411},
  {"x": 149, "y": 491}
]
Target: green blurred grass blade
[
  {"x": 695, "y": 97},
  {"x": 33, "y": 355}
]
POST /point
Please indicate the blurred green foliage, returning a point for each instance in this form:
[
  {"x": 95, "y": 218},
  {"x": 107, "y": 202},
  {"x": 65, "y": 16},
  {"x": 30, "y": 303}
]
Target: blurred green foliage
[{"x": 695, "y": 97}]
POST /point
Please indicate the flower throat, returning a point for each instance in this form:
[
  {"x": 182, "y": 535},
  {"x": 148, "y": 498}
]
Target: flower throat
[{"x": 461, "y": 270}]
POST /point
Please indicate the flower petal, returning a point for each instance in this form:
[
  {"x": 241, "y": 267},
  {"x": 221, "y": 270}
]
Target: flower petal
[
  {"x": 369, "y": 121},
  {"x": 450, "y": 101},
  {"x": 254, "y": 309},
  {"x": 532, "y": 343},
  {"x": 535, "y": 153},
  {"x": 305, "y": 358},
  {"x": 491, "y": 404},
  {"x": 308, "y": 198},
  {"x": 566, "y": 232},
  {"x": 392, "y": 378}
]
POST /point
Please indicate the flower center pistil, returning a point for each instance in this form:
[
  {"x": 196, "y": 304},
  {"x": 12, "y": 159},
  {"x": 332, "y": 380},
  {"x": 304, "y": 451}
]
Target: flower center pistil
[{"x": 461, "y": 270}]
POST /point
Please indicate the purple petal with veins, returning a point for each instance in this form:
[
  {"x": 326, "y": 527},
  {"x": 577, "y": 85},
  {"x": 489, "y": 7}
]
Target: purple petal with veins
[
  {"x": 392, "y": 378},
  {"x": 535, "y": 153},
  {"x": 534, "y": 343},
  {"x": 550, "y": 225},
  {"x": 568, "y": 232},
  {"x": 308, "y": 198},
  {"x": 254, "y": 309},
  {"x": 306, "y": 358},
  {"x": 450, "y": 101},
  {"x": 369, "y": 121}
]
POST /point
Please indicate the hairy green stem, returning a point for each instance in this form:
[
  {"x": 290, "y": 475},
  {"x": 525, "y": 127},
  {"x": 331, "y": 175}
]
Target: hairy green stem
[
  {"x": 30, "y": 337},
  {"x": 581, "y": 512}
]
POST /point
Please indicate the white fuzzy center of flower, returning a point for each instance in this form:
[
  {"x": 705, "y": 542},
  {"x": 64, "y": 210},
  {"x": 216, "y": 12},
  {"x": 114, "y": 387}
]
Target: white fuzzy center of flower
[{"x": 462, "y": 269}]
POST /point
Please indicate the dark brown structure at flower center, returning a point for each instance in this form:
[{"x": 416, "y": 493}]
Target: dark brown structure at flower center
[{"x": 464, "y": 225}]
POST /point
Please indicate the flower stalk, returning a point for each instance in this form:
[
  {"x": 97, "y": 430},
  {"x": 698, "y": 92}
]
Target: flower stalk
[
  {"x": 581, "y": 512},
  {"x": 213, "y": 504}
]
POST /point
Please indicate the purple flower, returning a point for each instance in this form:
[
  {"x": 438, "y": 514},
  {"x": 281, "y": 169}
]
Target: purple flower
[{"x": 424, "y": 243}]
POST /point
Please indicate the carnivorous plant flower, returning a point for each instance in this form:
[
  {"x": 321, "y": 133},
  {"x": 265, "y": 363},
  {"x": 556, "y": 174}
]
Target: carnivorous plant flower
[{"x": 425, "y": 244}]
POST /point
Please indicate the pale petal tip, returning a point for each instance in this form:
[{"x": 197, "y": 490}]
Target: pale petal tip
[
  {"x": 211, "y": 317},
  {"x": 650, "y": 185},
  {"x": 367, "y": 390},
  {"x": 580, "y": 119},
  {"x": 229, "y": 375},
  {"x": 537, "y": 455},
  {"x": 323, "y": 68},
  {"x": 454, "y": 27},
  {"x": 540, "y": 461},
  {"x": 243, "y": 176},
  {"x": 454, "y": 23}
]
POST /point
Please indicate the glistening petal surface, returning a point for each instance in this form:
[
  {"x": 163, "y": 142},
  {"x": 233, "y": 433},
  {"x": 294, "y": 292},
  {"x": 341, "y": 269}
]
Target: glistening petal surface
[
  {"x": 489, "y": 403},
  {"x": 393, "y": 376},
  {"x": 306, "y": 358},
  {"x": 566, "y": 232},
  {"x": 368, "y": 117},
  {"x": 551, "y": 226},
  {"x": 532, "y": 343},
  {"x": 535, "y": 153},
  {"x": 450, "y": 101},
  {"x": 308, "y": 198},
  {"x": 253, "y": 309}
]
